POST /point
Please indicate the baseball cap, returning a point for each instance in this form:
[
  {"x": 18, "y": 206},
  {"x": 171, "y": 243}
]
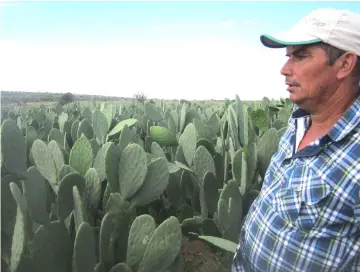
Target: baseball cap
[{"x": 339, "y": 28}]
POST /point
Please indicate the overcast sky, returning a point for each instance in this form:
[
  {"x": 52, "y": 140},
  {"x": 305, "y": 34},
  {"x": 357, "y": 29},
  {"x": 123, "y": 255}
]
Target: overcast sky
[{"x": 171, "y": 50}]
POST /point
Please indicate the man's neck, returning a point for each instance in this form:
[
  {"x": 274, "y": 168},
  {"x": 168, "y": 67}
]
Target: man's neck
[{"x": 330, "y": 112}]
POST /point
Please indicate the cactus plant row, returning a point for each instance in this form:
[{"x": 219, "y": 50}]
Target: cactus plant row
[{"x": 118, "y": 187}]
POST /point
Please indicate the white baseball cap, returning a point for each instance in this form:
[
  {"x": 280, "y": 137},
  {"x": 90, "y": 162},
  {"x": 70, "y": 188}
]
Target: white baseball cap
[{"x": 339, "y": 28}]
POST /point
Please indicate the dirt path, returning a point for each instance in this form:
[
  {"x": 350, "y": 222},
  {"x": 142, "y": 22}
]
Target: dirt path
[{"x": 199, "y": 257}]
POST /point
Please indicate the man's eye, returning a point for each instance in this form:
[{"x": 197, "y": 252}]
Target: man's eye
[{"x": 299, "y": 56}]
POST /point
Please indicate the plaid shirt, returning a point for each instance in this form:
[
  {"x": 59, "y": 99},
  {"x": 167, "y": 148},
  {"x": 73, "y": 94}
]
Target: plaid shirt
[{"x": 307, "y": 215}]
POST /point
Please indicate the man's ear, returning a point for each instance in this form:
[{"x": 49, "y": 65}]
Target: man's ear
[{"x": 346, "y": 65}]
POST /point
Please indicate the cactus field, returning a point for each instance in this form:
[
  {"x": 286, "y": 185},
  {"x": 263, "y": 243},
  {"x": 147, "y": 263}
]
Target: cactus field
[{"x": 111, "y": 187}]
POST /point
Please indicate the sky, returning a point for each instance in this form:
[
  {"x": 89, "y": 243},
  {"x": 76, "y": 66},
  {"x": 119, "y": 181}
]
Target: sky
[{"x": 165, "y": 49}]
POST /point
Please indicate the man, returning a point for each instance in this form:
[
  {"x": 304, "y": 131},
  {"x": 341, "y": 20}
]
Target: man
[{"x": 307, "y": 215}]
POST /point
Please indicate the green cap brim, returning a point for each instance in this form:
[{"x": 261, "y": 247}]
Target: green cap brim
[{"x": 286, "y": 39}]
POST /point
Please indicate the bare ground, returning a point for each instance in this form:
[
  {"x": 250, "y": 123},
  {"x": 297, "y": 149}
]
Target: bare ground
[{"x": 200, "y": 257}]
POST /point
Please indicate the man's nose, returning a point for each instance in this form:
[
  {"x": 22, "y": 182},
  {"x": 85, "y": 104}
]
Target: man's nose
[{"x": 286, "y": 69}]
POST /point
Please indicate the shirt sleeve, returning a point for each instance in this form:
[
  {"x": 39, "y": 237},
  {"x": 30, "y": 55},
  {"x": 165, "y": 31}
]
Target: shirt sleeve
[{"x": 357, "y": 209}]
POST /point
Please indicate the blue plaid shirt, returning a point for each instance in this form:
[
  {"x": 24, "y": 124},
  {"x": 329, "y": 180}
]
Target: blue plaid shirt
[{"x": 307, "y": 215}]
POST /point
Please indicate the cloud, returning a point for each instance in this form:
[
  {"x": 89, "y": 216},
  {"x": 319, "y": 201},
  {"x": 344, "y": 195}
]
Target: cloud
[{"x": 191, "y": 69}]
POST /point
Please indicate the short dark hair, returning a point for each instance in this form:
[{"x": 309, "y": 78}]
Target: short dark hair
[{"x": 333, "y": 53}]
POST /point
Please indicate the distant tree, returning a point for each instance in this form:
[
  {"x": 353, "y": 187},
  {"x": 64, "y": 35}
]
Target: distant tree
[
  {"x": 66, "y": 99},
  {"x": 140, "y": 97}
]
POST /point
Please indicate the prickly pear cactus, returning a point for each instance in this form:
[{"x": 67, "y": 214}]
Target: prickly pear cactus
[
  {"x": 132, "y": 170},
  {"x": 163, "y": 246}
]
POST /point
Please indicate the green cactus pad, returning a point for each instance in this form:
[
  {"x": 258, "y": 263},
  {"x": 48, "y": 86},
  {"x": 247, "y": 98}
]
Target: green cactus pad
[
  {"x": 84, "y": 249},
  {"x": 106, "y": 246},
  {"x": 106, "y": 195},
  {"x": 182, "y": 120},
  {"x": 156, "y": 181},
  {"x": 64, "y": 170},
  {"x": 137, "y": 140},
  {"x": 51, "y": 248},
  {"x": 42, "y": 134},
  {"x": 214, "y": 122},
  {"x": 13, "y": 148},
  {"x": 100, "y": 268},
  {"x": 120, "y": 267},
  {"x": 230, "y": 210},
  {"x": 251, "y": 164},
  {"x": 65, "y": 194},
  {"x": 79, "y": 208},
  {"x": 108, "y": 112},
  {"x": 211, "y": 193},
  {"x": 86, "y": 129},
  {"x": 19, "y": 198},
  {"x": 8, "y": 214},
  {"x": 67, "y": 127},
  {"x": 179, "y": 155},
  {"x": 125, "y": 138},
  {"x": 191, "y": 115},
  {"x": 277, "y": 124},
  {"x": 233, "y": 127},
  {"x": 157, "y": 151},
  {"x": 222, "y": 213},
  {"x": 260, "y": 119},
  {"x": 132, "y": 170},
  {"x": 57, "y": 154},
  {"x": 163, "y": 246},
  {"x": 99, "y": 161},
  {"x": 141, "y": 230},
  {"x": 81, "y": 155},
  {"x": 95, "y": 147},
  {"x": 55, "y": 125},
  {"x": 188, "y": 142},
  {"x": 31, "y": 136},
  {"x": 119, "y": 127},
  {"x": 152, "y": 112},
  {"x": 112, "y": 158},
  {"x": 18, "y": 245},
  {"x": 174, "y": 190},
  {"x": 86, "y": 113},
  {"x": 208, "y": 145},
  {"x": 203, "y": 162},
  {"x": 203, "y": 131},
  {"x": 284, "y": 115},
  {"x": 100, "y": 125},
  {"x": 35, "y": 194},
  {"x": 92, "y": 189},
  {"x": 172, "y": 124},
  {"x": 44, "y": 161},
  {"x": 62, "y": 119},
  {"x": 242, "y": 121},
  {"x": 268, "y": 145},
  {"x": 116, "y": 204},
  {"x": 163, "y": 136},
  {"x": 74, "y": 130},
  {"x": 57, "y": 136},
  {"x": 220, "y": 242},
  {"x": 173, "y": 168},
  {"x": 237, "y": 165}
]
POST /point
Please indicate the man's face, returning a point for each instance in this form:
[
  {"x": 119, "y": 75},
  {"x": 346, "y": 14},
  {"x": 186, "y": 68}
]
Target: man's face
[{"x": 308, "y": 76}]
